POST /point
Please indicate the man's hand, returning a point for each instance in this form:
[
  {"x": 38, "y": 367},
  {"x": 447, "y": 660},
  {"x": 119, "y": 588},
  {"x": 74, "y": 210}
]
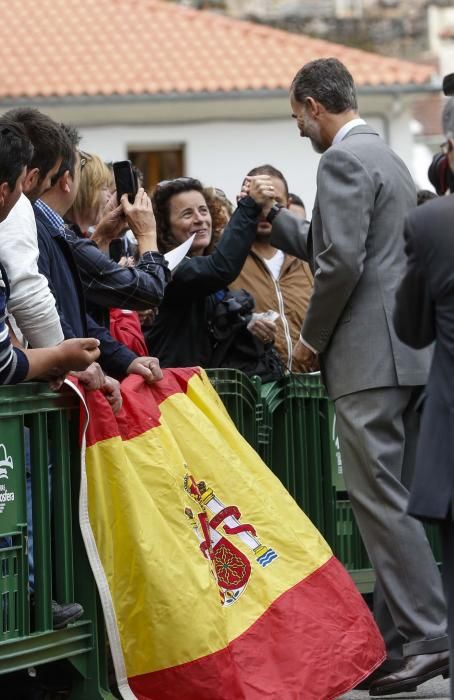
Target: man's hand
[
  {"x": 140, "y": 215},
  {"x": 146, "y": 367},
  {"x": 260, "y": 188},
  {"x": 263, "y": 329},
  {"x": 92, "y": 378},
  {"x": 303, "y": 359},
  {"x": 77, "y": 354},
  {"x": 111, "y": 390},
  {"x": 147, "y": 317}
]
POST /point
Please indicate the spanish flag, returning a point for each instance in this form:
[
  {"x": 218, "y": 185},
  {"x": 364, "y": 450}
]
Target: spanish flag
[{"x": 214, "y": 584}]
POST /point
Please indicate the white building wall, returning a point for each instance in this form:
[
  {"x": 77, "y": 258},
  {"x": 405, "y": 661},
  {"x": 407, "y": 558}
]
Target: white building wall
[
  {"x": 220, "y": 153},
  {"x": 438, "y": 20}
]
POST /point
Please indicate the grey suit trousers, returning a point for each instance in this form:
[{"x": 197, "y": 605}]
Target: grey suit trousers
[{"x": 377, "y": 435}]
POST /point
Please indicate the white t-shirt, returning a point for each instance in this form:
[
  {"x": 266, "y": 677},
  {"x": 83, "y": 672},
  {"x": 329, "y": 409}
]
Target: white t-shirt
[
  {"x": 31, "y": 302},
  {"x": 275, "y": 263}
]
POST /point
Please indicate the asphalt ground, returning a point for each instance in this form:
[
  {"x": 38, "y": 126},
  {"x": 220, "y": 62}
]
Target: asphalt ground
[{"x": 436, "y": 689}]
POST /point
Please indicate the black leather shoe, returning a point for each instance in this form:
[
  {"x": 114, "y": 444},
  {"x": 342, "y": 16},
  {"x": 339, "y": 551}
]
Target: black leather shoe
[
  {"x": 388, "y": 666},
  {"x": 416, "y": 670},
  {"x": 62, "y": 615}
]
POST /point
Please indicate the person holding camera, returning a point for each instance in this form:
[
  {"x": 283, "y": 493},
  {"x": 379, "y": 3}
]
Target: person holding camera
[
  {"x": 107, "y": 284},
  {"x": 441, "y": 169}
]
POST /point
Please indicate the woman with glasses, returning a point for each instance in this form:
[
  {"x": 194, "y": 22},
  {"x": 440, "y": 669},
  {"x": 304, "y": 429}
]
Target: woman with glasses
[
  {"x": 95, "y": 187},
  {"x": 180, "y": 335}
]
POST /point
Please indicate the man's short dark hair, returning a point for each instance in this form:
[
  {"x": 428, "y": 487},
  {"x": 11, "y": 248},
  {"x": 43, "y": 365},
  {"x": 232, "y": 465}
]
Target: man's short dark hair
[
  {"x": 327, "y": 81},
  {"x": 45, "y": 135},
  {"x": 423, "y": 196},
  {"x": 447, "y": 118},
  {"x": 70, "y": 142},
  {"x": 272, "y": 172},
  {"x": 16, "y": 151},
  {"x": 295, "y": 199}
]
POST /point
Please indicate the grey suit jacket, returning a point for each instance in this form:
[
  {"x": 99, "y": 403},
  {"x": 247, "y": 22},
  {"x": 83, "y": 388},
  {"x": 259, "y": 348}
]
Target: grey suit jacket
[{"x": 356, "y": 247}]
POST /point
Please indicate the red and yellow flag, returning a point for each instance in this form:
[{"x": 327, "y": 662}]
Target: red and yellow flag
[{"x": 214, "y": 584}]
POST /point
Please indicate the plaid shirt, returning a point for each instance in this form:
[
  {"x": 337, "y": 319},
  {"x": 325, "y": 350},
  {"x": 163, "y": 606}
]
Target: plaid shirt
[
  {"x": 55, "y": 219},
  {"x": 106, "y": 283}
]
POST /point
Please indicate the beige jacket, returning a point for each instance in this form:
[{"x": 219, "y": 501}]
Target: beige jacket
[{"x": 289, "y": 296}]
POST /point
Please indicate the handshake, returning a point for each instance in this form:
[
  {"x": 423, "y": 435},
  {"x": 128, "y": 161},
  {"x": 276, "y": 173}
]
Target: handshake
[{"x": 260, "y": 188}]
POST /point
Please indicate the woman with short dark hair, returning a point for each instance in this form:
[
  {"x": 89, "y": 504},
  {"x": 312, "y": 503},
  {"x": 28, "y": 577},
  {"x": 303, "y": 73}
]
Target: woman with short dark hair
[{"x": 180, "y": 334}]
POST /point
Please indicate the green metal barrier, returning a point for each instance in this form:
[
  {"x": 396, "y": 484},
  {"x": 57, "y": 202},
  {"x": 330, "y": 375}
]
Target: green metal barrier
[
  {"x": 295, "y": 435},
  {"x": 61, "y": 569},
  {"x": 297, "y": 446},
  {"x": 303, "y": 451},
  {"x": 241, "y": 397},
  {"x": 292, "y": 425}
]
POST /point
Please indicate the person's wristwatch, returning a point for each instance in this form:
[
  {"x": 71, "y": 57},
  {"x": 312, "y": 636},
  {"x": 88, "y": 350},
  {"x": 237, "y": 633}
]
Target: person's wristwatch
[{"x": 275, "y": 209}]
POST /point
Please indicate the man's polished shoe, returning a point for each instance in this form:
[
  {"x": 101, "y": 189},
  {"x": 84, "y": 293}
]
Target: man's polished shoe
[
  {"x": 416, "y": 670},
  {"x": 388, "y": 666},
  {"x": 62, "y": 615}
]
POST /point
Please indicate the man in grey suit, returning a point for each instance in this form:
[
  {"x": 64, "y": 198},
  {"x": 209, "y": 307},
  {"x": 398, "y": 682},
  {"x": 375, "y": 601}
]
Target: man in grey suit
[{"x": 356, "y": 246}]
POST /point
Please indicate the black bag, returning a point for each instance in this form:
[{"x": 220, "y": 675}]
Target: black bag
[{"x": 235, "y": 346}]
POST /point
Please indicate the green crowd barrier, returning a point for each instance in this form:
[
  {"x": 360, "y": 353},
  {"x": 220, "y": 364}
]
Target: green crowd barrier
[
  {"x": 61, "y": 568},
  {"x": 296, "y": 437},
  {"x": 291, "y": 424}
]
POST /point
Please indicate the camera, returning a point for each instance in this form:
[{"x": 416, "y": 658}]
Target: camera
[
  {"x": 439, "y": 173},
  {"x": 118, "y": 248},
  {"x": 448, "y": 85}
]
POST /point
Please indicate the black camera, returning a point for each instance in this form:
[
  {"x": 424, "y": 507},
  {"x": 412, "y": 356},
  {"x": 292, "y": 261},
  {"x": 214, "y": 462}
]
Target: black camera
[
  {"x": 439, "y": 173},
  {"x": 448, "y": 85}
]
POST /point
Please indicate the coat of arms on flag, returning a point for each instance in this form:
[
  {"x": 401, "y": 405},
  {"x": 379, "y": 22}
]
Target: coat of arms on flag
[
  {"x": 214, "y": 584},
  {"x": 231, "y": 568}
]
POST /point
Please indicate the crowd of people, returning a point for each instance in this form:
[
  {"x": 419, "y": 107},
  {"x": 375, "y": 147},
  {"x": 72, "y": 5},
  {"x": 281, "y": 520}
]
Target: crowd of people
[{"x": 86, "y": 289}]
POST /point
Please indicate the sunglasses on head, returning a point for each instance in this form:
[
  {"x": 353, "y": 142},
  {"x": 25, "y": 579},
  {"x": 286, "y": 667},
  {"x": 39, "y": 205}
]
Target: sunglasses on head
[
  {"x": 164, "y": 183},
  {"x": 84, "y": 158}
]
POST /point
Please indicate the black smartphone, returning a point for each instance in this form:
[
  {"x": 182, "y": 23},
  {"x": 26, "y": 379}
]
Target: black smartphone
[
  {"x": 125, "y": 180},
  {"x": 117, "y": 249}
]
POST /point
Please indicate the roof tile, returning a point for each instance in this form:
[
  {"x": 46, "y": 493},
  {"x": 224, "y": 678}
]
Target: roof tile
[{"x": 77, "y": 47}]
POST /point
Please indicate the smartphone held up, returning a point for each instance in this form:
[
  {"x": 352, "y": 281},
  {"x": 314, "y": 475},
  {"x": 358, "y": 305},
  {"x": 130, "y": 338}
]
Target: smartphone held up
[{"x": 125, "y": 180}]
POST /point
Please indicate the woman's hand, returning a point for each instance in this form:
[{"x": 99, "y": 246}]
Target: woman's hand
[{"x": 111, "y": 225}]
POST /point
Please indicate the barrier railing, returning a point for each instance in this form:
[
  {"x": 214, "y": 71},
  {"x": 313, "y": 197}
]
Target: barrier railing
[
  {"x": 39, "y": 455},
  {"x": 296, "y": 437},
  {"x": 291, "y": 423}
]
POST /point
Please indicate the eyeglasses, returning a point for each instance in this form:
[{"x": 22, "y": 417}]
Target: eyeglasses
[{"x": 84, "y": 158}]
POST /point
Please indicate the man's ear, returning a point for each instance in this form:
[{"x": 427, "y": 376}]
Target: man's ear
[
  {"x": 312, "y": 106},
  {"x": 65, "y": 182},
  {"x": 4, "y": 192},
  {"x": 31, "y": 180}
]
